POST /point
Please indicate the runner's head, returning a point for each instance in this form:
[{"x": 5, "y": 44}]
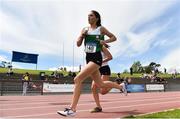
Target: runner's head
[{"x": 94, "y": 18}]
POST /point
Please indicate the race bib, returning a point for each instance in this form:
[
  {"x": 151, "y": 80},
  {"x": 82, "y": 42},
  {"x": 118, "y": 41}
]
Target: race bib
[{"x": 90, "y": 47}]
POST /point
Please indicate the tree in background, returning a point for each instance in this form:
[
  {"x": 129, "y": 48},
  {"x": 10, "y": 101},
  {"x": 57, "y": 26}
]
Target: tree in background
[
  {"x": 2, "y": 64},
  {"x": 5, "y": 64},
  {"x": 125, "y": 71},
  {"x": 154, "y": 67},
  {"x": 137, "y": 67},
  {"x": 147, "y": 69}
]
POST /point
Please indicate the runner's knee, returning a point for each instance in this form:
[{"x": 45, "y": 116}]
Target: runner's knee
[
  {"x": 93, "y": 87},
  {"x": 77, "y": 80}
]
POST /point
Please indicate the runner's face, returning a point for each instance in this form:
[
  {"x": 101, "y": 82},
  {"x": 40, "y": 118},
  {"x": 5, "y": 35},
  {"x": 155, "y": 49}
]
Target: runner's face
[{"x": 92, "y": 18}]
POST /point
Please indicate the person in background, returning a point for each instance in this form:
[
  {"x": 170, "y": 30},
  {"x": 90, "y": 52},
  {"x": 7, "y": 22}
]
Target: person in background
[
  {"x": 25, "y": 80},
  {"x": 10, "y": 71},
  {"x": 131, "y": 70}
]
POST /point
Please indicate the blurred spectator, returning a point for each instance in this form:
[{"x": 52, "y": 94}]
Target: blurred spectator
[
  {"x": 61, "y": 69},
  {"x": 46, "y": 78},
  {"x": 69, "y": 74},
  {"x": 174, "y": 74},
  {"x": 79, "y": 68},
  {"x": 147, "y": 76},
  {"x": 55, "y": 81},
  {"x": 129, "y": 80},
  {"x": 42, "y": 75},
  {"x": 56, "y": 75},
  {"x": 156, "y": 71},
  {"x": 165, "y": 70},
  {"x": 153, "y": 78},
  {"x": 118, "y": 75},
  {"x": 131, "y": 71},
  {"x": 25, "y": 79},
  {"x": 52, "y": 75},
  {"x": 74, "y": 74},
  {"x": 64, "y": 69},
  {"x": 61, "y": 75},
  {"x": 159, "y": 80},
  {"x": 10, "y": 71},
  {"x": 119, "y": 79}
]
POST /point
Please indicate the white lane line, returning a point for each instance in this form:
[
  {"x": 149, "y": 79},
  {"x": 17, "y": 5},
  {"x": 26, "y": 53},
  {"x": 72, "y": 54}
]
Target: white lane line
[
  {"x": 85, "y": 100},
  {"x": 37, "y": 115}
]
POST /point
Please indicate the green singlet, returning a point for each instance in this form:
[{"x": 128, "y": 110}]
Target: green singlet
[{"x": 92, "y": 43}]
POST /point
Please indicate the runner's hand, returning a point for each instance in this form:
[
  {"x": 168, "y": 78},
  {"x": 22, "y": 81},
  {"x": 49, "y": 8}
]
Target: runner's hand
[
  {"x": 84, "y": 33},
  {"x": 103, "y": 43}
]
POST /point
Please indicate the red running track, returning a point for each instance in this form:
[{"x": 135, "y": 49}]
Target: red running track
[{"x": 115, "y": 105}]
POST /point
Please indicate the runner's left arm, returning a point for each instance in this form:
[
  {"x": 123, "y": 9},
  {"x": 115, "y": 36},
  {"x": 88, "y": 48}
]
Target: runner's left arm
[
  {"x": 111, "y": 36},
  {"x": 107, "y": 54}
]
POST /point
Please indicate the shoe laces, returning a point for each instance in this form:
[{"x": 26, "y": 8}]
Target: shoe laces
[{"x": 67, "y": 109}]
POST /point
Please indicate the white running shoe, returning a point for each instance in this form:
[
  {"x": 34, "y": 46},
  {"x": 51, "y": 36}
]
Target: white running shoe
[
  {"x": 67, "y": 112},
  {"x": 124, "y": 90}
]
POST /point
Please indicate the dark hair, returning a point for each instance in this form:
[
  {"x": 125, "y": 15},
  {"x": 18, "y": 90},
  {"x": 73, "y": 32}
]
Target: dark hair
[{"x": 98, "y": 16}]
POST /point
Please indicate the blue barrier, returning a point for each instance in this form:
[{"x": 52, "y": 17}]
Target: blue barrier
[{"x": 136, "y": 88}]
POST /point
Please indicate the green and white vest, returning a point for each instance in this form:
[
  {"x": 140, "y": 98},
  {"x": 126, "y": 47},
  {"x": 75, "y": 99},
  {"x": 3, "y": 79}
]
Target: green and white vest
[{"x": 92, "y": 41}]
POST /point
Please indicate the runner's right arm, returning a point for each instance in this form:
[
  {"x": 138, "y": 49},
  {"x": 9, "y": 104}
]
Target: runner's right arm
[{"x": 81, "y": 37}]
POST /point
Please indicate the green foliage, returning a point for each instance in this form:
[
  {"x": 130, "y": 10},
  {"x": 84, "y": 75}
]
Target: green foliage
[
  {"x": 136, "y": 67},
  {"x": 22, "y": 71},
  {"x": 125, "y": 71},
  {"x": 5, "y": 64},
  {"x": 147, "y": 69},
  {"x": 135, "y": 75},
  {"x": 166, "y": 114},
  {"x": 139, "y": 75},
  {"x": 126, "y": 74}
]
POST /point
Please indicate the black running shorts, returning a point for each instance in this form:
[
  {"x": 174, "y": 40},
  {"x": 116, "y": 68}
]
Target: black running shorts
[
  {"x": 105, "y": 70},
  {"x": 94, "y": 57}
]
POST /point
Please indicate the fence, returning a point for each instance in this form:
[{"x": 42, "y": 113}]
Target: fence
[
  {"x": 15, "y": 87},
  {"x": 10, "y": 87}
]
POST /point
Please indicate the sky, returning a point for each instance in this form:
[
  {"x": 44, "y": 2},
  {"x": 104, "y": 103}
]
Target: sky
[{"x": 146, "y": 31}]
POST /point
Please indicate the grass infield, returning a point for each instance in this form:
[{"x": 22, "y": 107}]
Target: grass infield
[{"x": 175, "y": 113}]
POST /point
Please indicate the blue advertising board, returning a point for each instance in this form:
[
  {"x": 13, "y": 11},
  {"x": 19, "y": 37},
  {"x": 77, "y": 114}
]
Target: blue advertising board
[
  {"x": 24, "y": 57},
  {"x": 136, "y": 88}
]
